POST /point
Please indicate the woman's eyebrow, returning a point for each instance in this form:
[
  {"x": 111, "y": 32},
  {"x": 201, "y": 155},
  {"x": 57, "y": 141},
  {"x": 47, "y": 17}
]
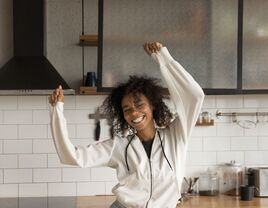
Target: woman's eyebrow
[
  {"x": 125, "y": 106},
  {"x": 137, "y": 99}
]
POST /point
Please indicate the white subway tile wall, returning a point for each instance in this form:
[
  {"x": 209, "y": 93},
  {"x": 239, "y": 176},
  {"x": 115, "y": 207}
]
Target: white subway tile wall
[
  {"x": 76, "y": 174},
  {"x": 1, "y": 117},
  {"x": 62, "y": 189},
  {"x": 18, "y": 176},
  {"x": 33, "y": 190},
  {"x": 90, "y": 188},
  {"x": 1, "y": 146},
  {"x": 32, "y": 161},
  {"x": 9, "y": 190},
  {"x": 47, "y": 175},
  {"x": 1, "y": 176},
  {"x": 8, "y": 132},
  {"x": 30, "y": 167},
  {"x": 9, "y": 161}
]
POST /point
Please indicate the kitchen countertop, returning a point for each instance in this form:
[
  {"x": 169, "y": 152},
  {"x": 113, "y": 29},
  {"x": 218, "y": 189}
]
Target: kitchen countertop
[
  {"x": 105, "y": 201},
  {"x": 222, "y": 201}
]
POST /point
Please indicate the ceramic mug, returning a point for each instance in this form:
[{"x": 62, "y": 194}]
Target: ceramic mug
[
  {"x": 91, "y": 79},
  {"x": 246, "y": 192}
]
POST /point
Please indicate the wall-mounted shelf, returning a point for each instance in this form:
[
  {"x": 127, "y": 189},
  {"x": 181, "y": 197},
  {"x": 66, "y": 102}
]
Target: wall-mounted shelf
[
  {"x": 90, "y": 91},
  {"x": 205, "y": 123},
  {"x": 204, "y": 119},
  {"x": 88, "y": 40}
]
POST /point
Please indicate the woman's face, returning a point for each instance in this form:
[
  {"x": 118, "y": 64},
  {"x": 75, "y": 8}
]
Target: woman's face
[{"x": 138, "y": 111}]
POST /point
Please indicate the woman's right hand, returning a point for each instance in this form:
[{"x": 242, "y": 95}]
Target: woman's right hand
[
  {"x": 57, "y": 96},
  {"x": 153, "y": 47}
]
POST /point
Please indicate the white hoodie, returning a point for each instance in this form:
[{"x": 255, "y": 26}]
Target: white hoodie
[{"x": 143, "y": 182}]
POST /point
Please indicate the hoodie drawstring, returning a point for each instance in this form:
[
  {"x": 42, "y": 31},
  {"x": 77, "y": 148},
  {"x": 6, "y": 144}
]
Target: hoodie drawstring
[
  {"x": 164, "y": 151},
  {"x": 126, "y": 151},
  {"x": 162, "y": 147}
]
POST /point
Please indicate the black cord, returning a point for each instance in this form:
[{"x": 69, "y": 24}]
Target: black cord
[
  {"x": 126, "y": 151},
  {"x": 161, "y": 148},
  {"x": 164, "y": 151}
]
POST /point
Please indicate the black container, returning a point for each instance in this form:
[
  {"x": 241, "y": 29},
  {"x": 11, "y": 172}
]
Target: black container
[
  {"x": 246, "y": 192},
  {"x": 91, "y": 79}
]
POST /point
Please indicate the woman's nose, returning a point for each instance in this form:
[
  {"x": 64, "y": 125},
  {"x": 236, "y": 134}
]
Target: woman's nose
[{"x": 134, "y": 111}]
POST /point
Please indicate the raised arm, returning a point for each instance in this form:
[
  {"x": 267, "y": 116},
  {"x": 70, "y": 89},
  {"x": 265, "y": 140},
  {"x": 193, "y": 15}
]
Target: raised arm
[
  {"x": 91, "y": 155},
  {"x": 185, "y": 92}
]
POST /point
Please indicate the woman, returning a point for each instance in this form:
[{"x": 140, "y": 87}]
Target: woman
[{"x": 150, "y": 159}]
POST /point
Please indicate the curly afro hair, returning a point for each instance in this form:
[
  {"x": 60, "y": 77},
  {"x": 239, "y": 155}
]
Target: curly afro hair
[{"x": 136, "y": 85}]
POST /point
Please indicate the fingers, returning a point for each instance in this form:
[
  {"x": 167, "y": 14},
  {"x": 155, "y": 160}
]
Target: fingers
[
  {"x": 52, "y": 99},
  {"x": 146, "y": 48},
  {"x": 56, "y": 96},
  {"x": 61, "y": 94},
  {"x": 152, "y": 47},
  {"x": 60, "y": 91}
]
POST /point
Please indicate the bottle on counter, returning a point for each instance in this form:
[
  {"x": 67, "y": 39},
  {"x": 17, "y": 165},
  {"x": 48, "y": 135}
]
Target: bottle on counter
[
  {"x": 208, "y": 183},
  {"x": 231, "y": 178}
]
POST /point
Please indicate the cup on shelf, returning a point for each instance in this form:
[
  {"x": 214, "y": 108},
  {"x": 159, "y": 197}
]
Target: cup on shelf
[{"x": 91, "y": 79}]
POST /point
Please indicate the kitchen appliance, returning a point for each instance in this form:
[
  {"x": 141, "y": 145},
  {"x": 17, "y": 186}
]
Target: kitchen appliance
[
  {"x": 29, "y": 72},
  {"x": 258, "y": 177}
]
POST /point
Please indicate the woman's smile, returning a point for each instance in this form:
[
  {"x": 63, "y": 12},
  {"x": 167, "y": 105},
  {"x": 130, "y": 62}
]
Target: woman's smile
[{"x": 138, "y": 120}]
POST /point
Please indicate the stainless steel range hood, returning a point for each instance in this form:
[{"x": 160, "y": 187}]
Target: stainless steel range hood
[{"x": 29, "y": 71}]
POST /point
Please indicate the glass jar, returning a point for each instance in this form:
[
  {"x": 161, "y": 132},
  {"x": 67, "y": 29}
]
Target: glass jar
[
  {"x": 208, "y": 184},
  {"x": 231, "y": 178}
]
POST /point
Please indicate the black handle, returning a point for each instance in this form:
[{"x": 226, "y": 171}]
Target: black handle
[{"x": 97, "y": 131}]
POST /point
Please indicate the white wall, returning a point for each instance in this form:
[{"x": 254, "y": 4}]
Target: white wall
[{"x": 29, "y": 165}]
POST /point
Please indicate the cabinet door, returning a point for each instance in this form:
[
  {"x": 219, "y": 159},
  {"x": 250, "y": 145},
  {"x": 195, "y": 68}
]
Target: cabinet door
[
  {"x": 255, "y": 45},
  {"x": 200, "y": 34}
]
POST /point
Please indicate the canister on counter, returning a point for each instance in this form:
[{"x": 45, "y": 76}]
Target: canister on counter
[
  {"x": 231, "y": 178},
  {"x": 208, "y": 183}
]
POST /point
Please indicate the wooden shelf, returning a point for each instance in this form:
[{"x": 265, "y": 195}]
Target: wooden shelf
[
  {"x": 84, "y": 90},
  {"x": 88, "y": 40},
  {"x": 204, "y": 123}
]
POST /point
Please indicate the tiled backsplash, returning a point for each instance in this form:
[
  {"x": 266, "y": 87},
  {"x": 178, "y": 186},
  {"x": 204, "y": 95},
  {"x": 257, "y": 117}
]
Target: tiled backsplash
[{"x": 29, "y": 165}]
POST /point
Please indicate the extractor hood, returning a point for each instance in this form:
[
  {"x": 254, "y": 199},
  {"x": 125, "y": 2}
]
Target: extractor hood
[{"x": 29, "y": 71}]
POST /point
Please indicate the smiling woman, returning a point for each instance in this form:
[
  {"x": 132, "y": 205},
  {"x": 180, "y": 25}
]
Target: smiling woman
[
  {"x": 137, "y": 104},
  {"x": 138, "y": 112},
  {"x": 149, "y": 146}
]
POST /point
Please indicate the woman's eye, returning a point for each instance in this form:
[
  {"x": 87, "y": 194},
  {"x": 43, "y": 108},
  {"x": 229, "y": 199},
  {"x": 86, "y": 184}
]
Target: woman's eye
[
  {"x": 126, "y": 110},
  {"x": 140, "y": 105}
]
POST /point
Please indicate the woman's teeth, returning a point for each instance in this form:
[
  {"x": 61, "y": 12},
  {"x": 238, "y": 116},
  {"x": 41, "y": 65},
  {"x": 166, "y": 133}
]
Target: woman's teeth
[{"x": 138, "y": 120}]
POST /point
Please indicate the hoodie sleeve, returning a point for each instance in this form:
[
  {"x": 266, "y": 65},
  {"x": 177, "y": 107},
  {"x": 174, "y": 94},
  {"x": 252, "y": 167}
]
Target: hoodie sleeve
[
  {"x": 98, "y": 154},
  {"x": 186, "y": 94}
]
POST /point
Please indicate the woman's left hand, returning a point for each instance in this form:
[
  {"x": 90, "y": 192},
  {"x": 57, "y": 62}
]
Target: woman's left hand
[{"x": 152, "y": 47}]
